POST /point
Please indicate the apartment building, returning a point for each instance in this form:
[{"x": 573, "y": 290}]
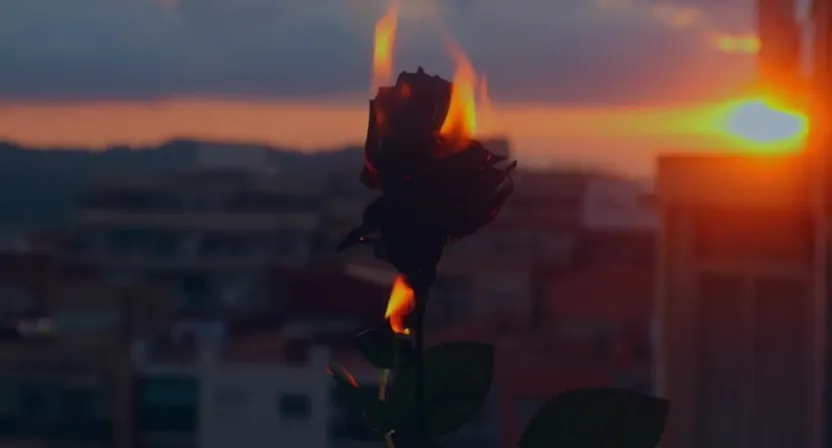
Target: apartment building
[
  {"x": 738, "y": 298},
  {"x": 65, "y": 373},
  {"x": 212, "y": 234},
  {"x": 253, "y": 390}
]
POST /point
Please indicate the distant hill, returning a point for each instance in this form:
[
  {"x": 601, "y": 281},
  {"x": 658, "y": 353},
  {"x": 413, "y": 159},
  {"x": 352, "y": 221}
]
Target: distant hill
[{"x": 38, "y": 187}]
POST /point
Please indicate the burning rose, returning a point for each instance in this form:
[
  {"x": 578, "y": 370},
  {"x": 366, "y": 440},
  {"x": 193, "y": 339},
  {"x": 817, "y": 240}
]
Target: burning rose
[{"x": 438, "y": 182}]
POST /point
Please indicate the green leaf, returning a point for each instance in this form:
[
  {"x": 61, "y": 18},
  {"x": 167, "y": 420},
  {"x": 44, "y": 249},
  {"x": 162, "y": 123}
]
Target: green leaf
[
  {"x": 457, "y": 379},
  {"x": 376, "y": 412},
  {"x": 403, "y": 440},
  {"x": 381, "y": 346},
  {"x": 371, "y": 407},
  {"x": 597, "y": 418}
]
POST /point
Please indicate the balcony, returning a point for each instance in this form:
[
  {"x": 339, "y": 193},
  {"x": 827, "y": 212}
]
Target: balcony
[
  {"x": 129, "y": 199},
  {"x": 147, "y": 248},
  {"x": 199, "y": 220}
]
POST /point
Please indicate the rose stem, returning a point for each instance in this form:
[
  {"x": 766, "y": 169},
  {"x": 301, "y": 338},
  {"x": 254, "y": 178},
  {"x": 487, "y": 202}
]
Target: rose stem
[{"x": 421, "y": 296}]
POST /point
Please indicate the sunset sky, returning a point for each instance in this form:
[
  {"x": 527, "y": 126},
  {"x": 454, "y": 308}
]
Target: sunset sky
[{"x": 589, "y": 81}]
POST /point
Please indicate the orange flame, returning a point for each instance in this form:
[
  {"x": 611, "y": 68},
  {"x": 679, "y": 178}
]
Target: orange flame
[
  {"x": 385, "y": 39},
  {"x": 401, "y": 303},
  {"x": 461, "y": 121}
]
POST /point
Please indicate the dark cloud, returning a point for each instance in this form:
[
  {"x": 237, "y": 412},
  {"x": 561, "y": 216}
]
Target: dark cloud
[{"x": 545, "y": 50}]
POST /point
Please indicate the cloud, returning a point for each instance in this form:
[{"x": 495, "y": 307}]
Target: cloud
[
  {"x": 564, "y": 51},
  {"x": 685, "y": 17}
]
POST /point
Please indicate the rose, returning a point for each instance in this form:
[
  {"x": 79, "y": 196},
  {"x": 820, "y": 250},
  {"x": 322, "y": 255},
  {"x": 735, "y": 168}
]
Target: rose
[{"x": 433, "y": 190}]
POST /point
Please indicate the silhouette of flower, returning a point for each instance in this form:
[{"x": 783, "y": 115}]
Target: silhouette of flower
[{"x": 434, "y": 189}]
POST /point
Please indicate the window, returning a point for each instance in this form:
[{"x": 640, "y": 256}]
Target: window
[
  {"x": 294, "y": 406},
  {"x": 229, "y": 402},
  {"x": 160, "y": 391},
  {"x": 36, "y": 402},
  {"x": 8, "y": 396},
  {"x": 80, "y": 322},
  {"x": 721, "y": 374},
  {"x": 169, "y": 403},
  {"x": 78, "y": 404}
]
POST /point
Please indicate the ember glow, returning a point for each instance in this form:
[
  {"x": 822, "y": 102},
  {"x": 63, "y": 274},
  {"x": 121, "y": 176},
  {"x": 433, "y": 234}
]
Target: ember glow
[
  {"x": 461, "y": 121},
  {"x": 348, "y": 376},
  {"x": 401, "y": 303},
  {"x": 385, "y": 40}
]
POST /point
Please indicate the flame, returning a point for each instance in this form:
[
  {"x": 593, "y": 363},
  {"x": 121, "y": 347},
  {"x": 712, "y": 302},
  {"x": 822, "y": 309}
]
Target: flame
[
  {"x": 385, "y": 39},
  {"x": 401, "y": 303},
  {"x": 461, "y": 121}
]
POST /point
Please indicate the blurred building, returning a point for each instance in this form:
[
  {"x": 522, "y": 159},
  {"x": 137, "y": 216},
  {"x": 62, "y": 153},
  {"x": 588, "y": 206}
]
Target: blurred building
[
  {"x": 246, "y": 391},
  {"x": 213, "y": 234},
  {"x": 738, "y": 302},
  {"x": 779, "y": 62},
  {"x": 557, "y": 222},
  {"x": 532, "y": 365},
  {"x": 248, "y": 157},
  {"x": 539, "y": 228},
  {"x": 66, "y": 378}
]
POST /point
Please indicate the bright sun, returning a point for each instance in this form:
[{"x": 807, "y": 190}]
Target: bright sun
[{"x": 763, "y": 126}]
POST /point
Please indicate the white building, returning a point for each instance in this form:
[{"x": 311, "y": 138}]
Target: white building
[
  {"x": 245, "y": 403},
  {"x": 213, "y": 236},
  {"x": 261, "y": 406}
]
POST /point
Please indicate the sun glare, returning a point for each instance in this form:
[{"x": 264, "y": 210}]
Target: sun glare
[{"x": 763, "y": 126}]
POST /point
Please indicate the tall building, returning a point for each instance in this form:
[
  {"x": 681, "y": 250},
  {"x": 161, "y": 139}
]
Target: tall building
[
  {"x": 218, "y": 396},
  {"x": 738, "y": 300},
  {"x": 66, "y": 377},
  {"x": 212, "y": 234},
  {"x": 779, "y": 61}
]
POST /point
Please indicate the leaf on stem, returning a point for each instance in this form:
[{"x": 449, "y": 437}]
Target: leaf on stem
[
  {"x": 381, "y": 346},
  {"x": 371, "y": 407},
  {"x": 402, "y": 440},
  {"x": 457, "y": 379},
  {"x": 598, "y": 418}
]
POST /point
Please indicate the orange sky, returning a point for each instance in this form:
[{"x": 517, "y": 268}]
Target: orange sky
[{"x": 621, "y": 138}]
